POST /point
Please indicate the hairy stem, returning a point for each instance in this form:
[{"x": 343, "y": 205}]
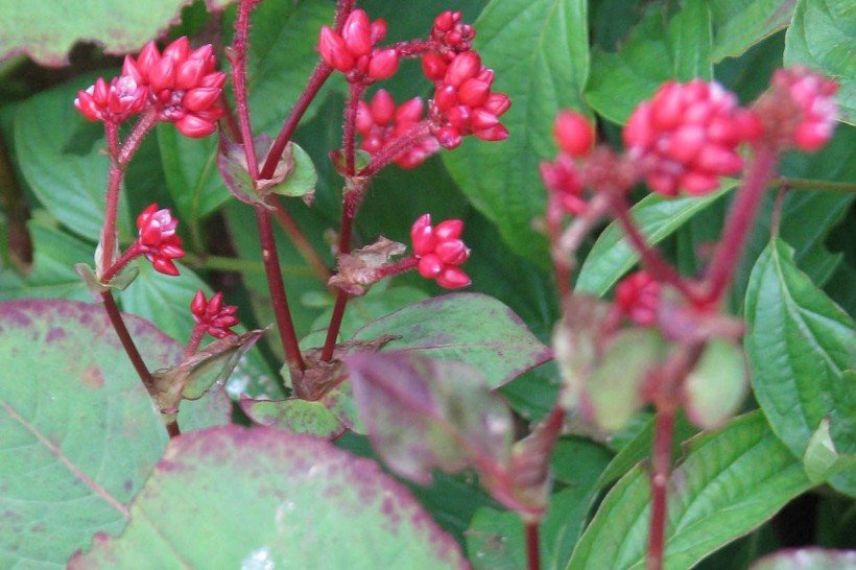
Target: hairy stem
[
  {"x": 133, "y": 353},
  {"x": 196, "y": 336},
  {"x": 130, "y": 254},
  {"x": 533, "y": 546},
  {"x": 395, "y": 147},
  {"x": 355, "y": 90},
  {"x": 739, "y": 223}
]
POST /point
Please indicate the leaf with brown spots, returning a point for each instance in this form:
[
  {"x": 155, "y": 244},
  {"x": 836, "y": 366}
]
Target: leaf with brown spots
[
  {"x": 78, "y": 432},
  {"x": 271, "y": 499}
]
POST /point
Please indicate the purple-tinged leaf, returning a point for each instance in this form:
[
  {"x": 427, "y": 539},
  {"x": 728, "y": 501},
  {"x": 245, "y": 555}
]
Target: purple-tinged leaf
[
  {"x": 78, "y": 431},
  {"x": 423, "y": 414},
  {"x": 235, "y": 497},
  {"x": 464, "y": 327}
]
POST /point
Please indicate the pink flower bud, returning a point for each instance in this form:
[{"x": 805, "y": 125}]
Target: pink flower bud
[
  {"x": 382, "y": 107},
  {"x": 434, "y": 66},
  {"x": 493, "y": 134},
  {"x": 410, "y": 111},
  {"x": 195, "y": 127},
  {"x": 383, "y": 64},
  {"x": 178, "y": 50},
  {"x": 334, "y": 51},
  {"x": 452, "y": 252},
  {"x": 449, "y": 230},
  {"x": 162, "y": 75},
  {"x": 637, "y": 296},
  {"x": 189, "y": 74},
  {"x": 157, "y": 239},
  {"x": 378, "y": 30},
  {"x": 430, "y": 266},
  {"x": 453, "y": 278},
  {"x": 357, "y": 33},
  {"x": 213, "y": 317},
  {"x": 465, "y": 66},
  {"x": 148, "y": 58},
  {"x": 574, "y": 133},
  {"x": 200, "y": 99},
  {"x": 474, "y": 93},
  {"x": 449, "y": 138}
]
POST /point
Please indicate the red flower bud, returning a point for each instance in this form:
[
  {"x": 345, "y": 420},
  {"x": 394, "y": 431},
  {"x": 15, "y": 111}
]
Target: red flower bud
[
  {"x": 637, "y": 296},
  {"x": 382, "y": 107},
  {"x": 465, "y": 66},
  {"x": 383, "y": 64},
  {"x": 434, "y": 66},
  {"x": 439, "y": 251},
  {"x": 213, "y": 316},
  {"x": 453, "y": 278},
  {"x": 357, "y": 33},
  {"x": 574, "y": 133},
  {"x": 157, "y": 239},
  {"x": 430, "y": 266},
  {"x": 195, "y": 127},
  {"x": 334, "y": 51}
]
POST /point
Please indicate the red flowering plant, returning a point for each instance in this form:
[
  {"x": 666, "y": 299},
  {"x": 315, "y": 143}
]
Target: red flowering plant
[{"x": 546, "y": 299}]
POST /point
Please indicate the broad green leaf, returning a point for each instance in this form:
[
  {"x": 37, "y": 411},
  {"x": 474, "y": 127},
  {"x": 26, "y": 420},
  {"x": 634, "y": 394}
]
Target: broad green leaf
[
  {"x": 740, "y": 24},
  {"x": 495, "y": 539},
  {"x": 190, "y": 168},
  {"x": 52, "y": 276},
  {"x": 799, "y": 346},
  {"x": 657, "y": 217},
  {"x": 655, "y": 51},
  {"x": 732, "y": 480},
  {"x": 821, "y": 36},
  {"x": 304, "y": 504},
  {"x": 61, "y": 157},
  {"x": 540, "y": 52},
  {"x": 463, "y": 327},
  {"x": 808, "y": 558},
  {"x": 302, "y": 179},
  {"x": 78, "y": 432},
  {"x": 47, "y": 30}
]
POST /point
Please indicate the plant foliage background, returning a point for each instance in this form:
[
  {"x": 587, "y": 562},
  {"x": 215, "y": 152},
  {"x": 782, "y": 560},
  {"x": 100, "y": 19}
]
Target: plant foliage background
[{"x": 797, "y": 292}]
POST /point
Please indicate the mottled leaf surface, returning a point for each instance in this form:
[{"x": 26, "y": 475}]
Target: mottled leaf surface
[
  {"x": 303, "y": 504},
  {"x": 78, "y": 432}
]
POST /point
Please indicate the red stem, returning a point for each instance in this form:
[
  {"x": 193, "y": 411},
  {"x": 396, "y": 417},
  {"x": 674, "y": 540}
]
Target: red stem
[
  {"x": 349, "y": 135},
  {"x": 196, "y": 336},
  {"x": 270, "y": 256},
  {"x": 561, "y": 265},
  {"x": 416, "y": 48},
  {"x": 335, "y": 326},
  {"x": 134, "y": 354},
  {"x": 661, "y": 463},
  {"x": 533, "y": 546},
  {"x": 739, "y": 223},
  {"x": 654, "y": 263},
  {"x": 394, "y": 148},
  {"x": 316, "y": 80},
  {"x": 130, "y": 254},
  {"x": 396, "y": 268}
]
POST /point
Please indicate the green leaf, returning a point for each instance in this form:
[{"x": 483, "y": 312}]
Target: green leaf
[
  {"x": 799, "y": 346},
  {"x": 298, "y": 416},
  {"x": 821, "y": 459},
  {"x": 805, "y": 558},
  {"x": 732, "y": 480},
  {"x": 78, "y": 431},
  {"x": 302, "y": 179},
  {"x": 47, "y": 30},
  {"x": 52, "y": 276},
  {"x": 740, "y": 24},
  {"x": 190, "y": 169},
  {"x": 655, "y": 51},
  {"x": 463, "y": 327},
  {"x": 304, "y": 504},
  {"x": 821, "y": 36},
  {"x": 657, "y": 218},
  {"x": 539, "y": 50},
  {"x": 61, "y": 157}
]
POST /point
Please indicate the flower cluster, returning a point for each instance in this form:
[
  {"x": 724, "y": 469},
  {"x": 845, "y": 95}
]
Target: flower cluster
[
  {"x": 575, "y": 136},
  {"x": 451, "y": 33},
  {"x": 439, "y": 251},
  {"x": 464, "y": 103},
  {"x": 157, "y": 239},
  {"x": 686, "y": 136},
  {"x": 637, "y": 297},
  {"x": 179, "y": 85},
  {"x": 380, "y": 121},
  {"x": 353, "y": 52},
  {"x": 212, "y": 315},
  {"x": 814, "y": 96}
]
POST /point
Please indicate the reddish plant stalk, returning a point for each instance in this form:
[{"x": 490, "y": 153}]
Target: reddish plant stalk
[
  {"x": 533, "y": 546},
  {"x": 394, "y": 148},
  {"x": 659, "y": 268},
  {"x": 739, "y": 223},
  {"x": 561, "y": 265},
  {"x": 334, "y": 326},
  {"x": 133, "y": 353},
  {"x": 196, "y": 336},
  {"x": 416, "y": 48},
  {"x": 661, "y": 464},
  {"x": 270, "y": 256},
  {"x": 130, "y": 254},
  {"x": 316, "y": 81},
  {"x": 349, "y": 137},
  {"x": 398, "y": 267}
]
